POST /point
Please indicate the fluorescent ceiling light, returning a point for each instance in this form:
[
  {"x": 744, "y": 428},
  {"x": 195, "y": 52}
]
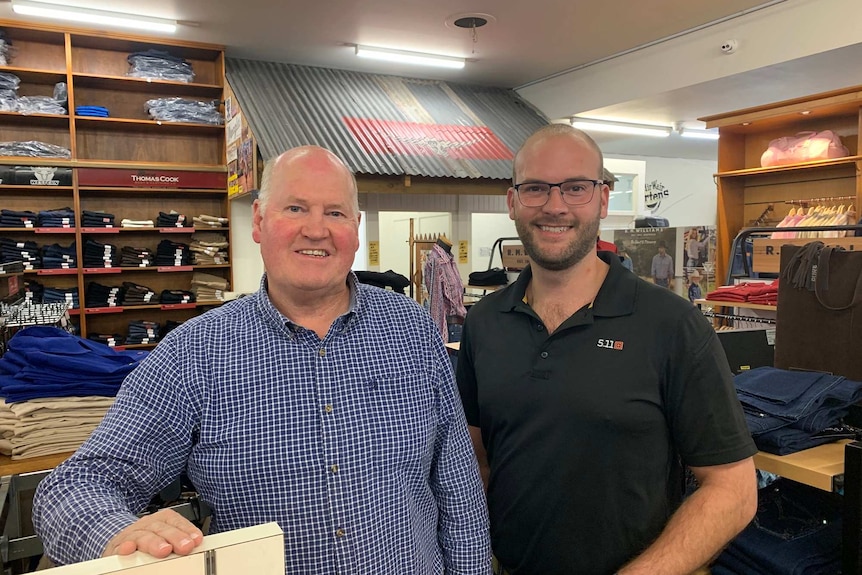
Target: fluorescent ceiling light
[
  {"x": 409, "y": 57},
  {"x": 589, "y": 125},
  {"x": 92, "y": 16},
  {"x": 699, "y": 134}
]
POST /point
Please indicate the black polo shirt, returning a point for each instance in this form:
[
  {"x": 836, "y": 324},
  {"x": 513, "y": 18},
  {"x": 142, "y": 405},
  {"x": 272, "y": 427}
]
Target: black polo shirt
[{"x": 585, "y": 427}]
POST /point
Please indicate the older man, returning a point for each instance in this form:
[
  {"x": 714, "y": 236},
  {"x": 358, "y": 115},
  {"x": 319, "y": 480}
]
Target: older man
[{"x": 326, "y": 405}]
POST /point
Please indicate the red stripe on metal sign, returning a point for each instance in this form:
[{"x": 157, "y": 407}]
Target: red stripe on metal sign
[{"x": 440, "y": 140}]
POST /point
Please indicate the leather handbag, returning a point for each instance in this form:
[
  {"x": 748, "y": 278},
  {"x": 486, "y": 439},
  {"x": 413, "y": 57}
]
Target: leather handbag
[
  {"x": 819, "y": 321},
  {"x": 804, "y": 147}
]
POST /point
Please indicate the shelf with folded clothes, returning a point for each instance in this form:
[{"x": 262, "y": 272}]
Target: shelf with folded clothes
[
  {"x": 35, "y": 76},
  {"x": 157, "y": 306},
  {"x": 158, "y": 126},
  {"x": 130, "y": 84},
  {"x": 160, "y": 269},
  {"x": 117, "y": 230},
  {"x": 35, "y": 119},
  {"x": 38, "y": 230}
]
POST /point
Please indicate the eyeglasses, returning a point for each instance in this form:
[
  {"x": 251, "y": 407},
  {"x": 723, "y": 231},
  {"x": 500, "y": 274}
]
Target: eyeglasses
[{"x": 574, "y": 192}]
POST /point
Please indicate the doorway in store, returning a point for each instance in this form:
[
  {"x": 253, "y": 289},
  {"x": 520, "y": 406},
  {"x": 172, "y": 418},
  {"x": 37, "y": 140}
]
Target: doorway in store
[{"x": 395, "y": 236}]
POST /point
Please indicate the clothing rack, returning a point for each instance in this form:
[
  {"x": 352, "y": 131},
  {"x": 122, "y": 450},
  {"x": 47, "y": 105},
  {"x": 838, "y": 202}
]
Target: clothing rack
[
  {"x": 743, "y": 235},
  {"x": 419, "y": 244},
  {"x": 831, "y": 199},
  {"x": 737, "y": 317}
]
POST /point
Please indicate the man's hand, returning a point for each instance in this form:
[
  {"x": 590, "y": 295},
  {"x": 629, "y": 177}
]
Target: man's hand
[{"x": 159, "y": 535}]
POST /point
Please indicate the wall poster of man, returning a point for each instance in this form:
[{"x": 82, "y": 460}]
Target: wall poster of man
[{"x": 643, "y": 244}]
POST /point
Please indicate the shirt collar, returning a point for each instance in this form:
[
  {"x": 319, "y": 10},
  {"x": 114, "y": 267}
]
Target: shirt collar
[
  {"x": 271, "y": 313},
  {"x": 616, "y": 296}
]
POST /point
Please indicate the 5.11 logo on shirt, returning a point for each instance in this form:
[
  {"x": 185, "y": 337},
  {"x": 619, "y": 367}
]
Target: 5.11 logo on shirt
[{"x": 610, "y": 344}]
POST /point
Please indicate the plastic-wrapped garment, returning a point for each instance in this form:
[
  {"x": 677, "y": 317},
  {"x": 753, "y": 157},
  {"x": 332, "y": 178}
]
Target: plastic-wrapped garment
[
  {"x": 9, "y": 81},
  {"x": 159, "y": 65},
  {"x": 61, "y": 93},
  {"x": 34, "y": 149},
  {"x": 5, "y": 49},
  {"x": 179, "y": 110},
  {"x": 8, "y": 100},
  {"x": 40, "y": 105}
]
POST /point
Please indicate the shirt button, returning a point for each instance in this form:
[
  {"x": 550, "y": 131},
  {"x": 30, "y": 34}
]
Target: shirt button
[
  {"x": 328, "y": 409},
  {"x": 333, "y": 468},
  {"x": 340, "y": 533},
  {"x": 321, "y": 352},
  {"x": 539, "y": 327},
  {"x": 544, "y": 355}
]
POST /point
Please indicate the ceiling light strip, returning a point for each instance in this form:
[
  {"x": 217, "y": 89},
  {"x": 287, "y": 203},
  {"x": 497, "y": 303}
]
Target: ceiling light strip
[
  {"x": 404, "y": 57},
  {"x": 621, "y": 128},
  {"x": 91, "y": 16}
]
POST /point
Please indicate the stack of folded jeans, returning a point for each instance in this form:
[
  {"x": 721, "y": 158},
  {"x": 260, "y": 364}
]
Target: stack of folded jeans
[
  {"x": 143, "y": 332},
  {"x": 109, "y": 339},
  {"x": 25, "y": 252},
  {"x": 209, "y": 248},
  {"x": 57, "y": 218},
  {"x": 170, "y": 253},
  {"x": 33, "y": 291},
  {"x": 98, "y": 295},
  {"x": 131, "y": 257},
  {"x": 208, "y": 287},
  {"x": 136, "y": 294},
  {"x": 56, "y": 257},
  {"x": 788, "y": 411},
  {"x": 69, "y": 296},
  {"x": 91, "y": 219},
  {"x": 797, "y": 530},
  {"x": 99, "y": 255},
  {"x": 17, "y": 219},
  {"x": 172, "y": 220},
  {"x": 208, "y": 221},
  {"x": 176, "y": 296}
]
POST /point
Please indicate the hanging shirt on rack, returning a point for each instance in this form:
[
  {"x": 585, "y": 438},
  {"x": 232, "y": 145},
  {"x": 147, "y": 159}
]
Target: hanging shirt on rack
[{"x": 445, "y": 288}]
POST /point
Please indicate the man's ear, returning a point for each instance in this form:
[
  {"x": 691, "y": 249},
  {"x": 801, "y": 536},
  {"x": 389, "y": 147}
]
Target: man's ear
[{"x": 256, "y": 220}]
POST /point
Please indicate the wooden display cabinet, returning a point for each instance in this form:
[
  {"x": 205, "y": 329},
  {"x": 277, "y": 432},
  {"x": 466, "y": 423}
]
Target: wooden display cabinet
[
  {"x": 745, "y": 189},
  {"x": 94, "y": 66}
]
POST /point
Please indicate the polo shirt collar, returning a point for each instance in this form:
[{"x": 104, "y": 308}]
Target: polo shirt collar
[{"x": 616, "y": 296}]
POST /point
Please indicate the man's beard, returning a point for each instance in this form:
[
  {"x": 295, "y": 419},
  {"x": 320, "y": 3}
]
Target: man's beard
[{"x": 578, "y": 249}]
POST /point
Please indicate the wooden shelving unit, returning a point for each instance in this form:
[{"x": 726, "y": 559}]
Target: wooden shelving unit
[
  {"x": 745, "y": 189},
  {"x": 94, "y": 67}
]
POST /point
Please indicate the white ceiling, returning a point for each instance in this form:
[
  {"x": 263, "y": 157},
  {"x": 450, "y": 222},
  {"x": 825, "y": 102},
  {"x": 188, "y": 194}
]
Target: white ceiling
[{"x": 542, "y": 48}]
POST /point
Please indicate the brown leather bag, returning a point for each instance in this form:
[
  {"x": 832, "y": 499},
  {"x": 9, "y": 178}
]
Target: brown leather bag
[{"x": 819, "y": 322}]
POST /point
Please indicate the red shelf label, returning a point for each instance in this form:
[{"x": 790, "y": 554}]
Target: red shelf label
[
  {"x": 167, "y": 306},
  {"x": 57, "y": 272},
  {"x": 176, "y": 230},
  {"x": 100, "y": 230},
  {"x": 175, "y": 268},
  {"x": 54, "y": 230},
  {"x": 95, "y": 310},
  {"x": 102, "y": 270}
]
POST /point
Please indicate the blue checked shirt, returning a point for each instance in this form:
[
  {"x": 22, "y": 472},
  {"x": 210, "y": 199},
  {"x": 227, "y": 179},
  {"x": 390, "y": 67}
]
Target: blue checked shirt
[{"x": 355, "y": 444}]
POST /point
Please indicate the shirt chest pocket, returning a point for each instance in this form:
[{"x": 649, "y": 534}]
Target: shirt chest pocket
[{"x": 401, "y": 418}]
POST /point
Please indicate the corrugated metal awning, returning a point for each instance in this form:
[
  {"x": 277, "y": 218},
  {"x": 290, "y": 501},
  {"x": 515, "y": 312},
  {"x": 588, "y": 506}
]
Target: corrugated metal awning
[{"x": 384, "y": 125}]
